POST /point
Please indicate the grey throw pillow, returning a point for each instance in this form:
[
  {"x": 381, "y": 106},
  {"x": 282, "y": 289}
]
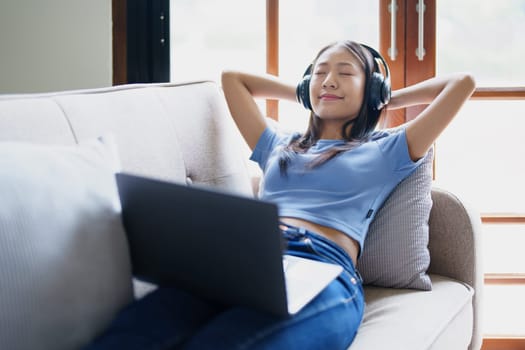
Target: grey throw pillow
[
  {"x": 64, "y": 261},
  {"x": 395, "y": 252}
]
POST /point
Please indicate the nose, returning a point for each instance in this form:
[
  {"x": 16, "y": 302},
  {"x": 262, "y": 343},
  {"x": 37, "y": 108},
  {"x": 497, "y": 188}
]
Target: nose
[{"x": 329, "y": 81}]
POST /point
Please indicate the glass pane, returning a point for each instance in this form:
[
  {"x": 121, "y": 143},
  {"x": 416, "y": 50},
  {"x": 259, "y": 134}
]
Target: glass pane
[
  {"x": 484, "y": 37},
  {"x": 480, "y": 156},
  {"x": 305, "y": 26},
  {"x": 503, "y": 248},
  {"x": 504, "y": 307},
  {"x": 210, "y": 36}
]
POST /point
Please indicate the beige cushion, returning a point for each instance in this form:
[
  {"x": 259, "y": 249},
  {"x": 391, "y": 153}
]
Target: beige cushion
[
  {"x": 406, "y": 319},
  {"x": 33, "y": 120},
  {"x": 182, "y": 134}
]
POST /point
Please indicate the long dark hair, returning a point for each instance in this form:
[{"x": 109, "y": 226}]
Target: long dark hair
[{"x": 362, "y": 126}]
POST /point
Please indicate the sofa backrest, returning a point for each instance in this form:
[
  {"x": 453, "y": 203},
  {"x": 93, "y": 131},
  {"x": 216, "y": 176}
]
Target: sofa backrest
[{"x": 176, "y": 132}]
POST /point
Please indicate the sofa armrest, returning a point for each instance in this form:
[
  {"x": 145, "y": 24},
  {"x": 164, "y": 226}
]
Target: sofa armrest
[{"x": 455, "y": 248}]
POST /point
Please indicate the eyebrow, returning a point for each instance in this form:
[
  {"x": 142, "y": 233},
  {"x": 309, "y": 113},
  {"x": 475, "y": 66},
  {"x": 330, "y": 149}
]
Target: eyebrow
[{"x": 339, "y": 64}]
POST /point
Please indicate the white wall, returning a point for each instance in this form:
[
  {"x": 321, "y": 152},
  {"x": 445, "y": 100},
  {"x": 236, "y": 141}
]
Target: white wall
[{"x": 51, "y": 45}]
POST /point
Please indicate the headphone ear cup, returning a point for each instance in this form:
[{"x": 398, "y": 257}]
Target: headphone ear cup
[
  {"x": 375, "y": 91},
  {"x": 379, "y": 91},
  {"x": 303, "y": 89},
  {"x": 386, "y": 91}
]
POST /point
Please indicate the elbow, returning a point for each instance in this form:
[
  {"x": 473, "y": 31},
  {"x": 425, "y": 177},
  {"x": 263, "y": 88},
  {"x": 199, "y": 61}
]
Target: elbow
[
  {"x": 467, "y": 82},
  {"x": 226, "y": 76},
  {"x": 230, "y": 81}
]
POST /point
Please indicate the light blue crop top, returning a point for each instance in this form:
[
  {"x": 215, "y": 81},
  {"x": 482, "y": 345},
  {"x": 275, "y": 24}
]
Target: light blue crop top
[{"x": 344, "y": 193}]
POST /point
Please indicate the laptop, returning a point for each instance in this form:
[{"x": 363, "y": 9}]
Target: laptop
[{"x": 222, "y": 247}]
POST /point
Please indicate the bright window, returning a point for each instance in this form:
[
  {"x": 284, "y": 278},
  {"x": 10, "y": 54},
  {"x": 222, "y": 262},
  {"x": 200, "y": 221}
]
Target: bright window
[
  {"x": 484, "y": 37},
  {"x": 210, "y": 36},
  {"x": 480, "y": 156}
]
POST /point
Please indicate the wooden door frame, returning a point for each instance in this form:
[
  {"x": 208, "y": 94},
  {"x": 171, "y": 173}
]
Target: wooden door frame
[{"x": 406, "y": 43}]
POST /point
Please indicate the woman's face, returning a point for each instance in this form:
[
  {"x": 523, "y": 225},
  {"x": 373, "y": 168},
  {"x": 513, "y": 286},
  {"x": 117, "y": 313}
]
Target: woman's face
[{"x": 337, "y": 85}]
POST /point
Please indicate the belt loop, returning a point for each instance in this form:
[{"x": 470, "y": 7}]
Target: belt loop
[{"x": 293, "y": 232}]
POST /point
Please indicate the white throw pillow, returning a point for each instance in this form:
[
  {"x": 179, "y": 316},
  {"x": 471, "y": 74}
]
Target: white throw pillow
[{"x": 64, "y": 263}]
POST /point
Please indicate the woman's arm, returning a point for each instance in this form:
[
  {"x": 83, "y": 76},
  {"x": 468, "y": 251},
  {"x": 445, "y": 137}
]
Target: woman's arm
[
  {"x": 444, "y": 96},
  {"x": 240, "y": 90}
]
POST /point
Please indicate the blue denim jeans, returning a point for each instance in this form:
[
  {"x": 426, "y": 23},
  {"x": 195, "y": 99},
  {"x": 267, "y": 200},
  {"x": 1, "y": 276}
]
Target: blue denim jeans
[{"x": 169, "y": 318}]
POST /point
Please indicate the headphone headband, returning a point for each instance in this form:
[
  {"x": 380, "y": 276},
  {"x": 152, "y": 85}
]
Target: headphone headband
[{"x": 379, "y": 57}]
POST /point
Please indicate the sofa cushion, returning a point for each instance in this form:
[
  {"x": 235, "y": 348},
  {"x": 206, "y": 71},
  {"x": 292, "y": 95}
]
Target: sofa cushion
[
  {"x": 33, "y": 120},
  {"x": 419, "y": 320},
  {"x": 395, "y": 252},
  {"x": 187, "y": 135},
  {"x": 64, "y": 262}
]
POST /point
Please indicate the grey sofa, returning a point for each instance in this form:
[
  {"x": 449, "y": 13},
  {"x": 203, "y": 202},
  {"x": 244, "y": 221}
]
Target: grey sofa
[{"x": 155, "y": 128}]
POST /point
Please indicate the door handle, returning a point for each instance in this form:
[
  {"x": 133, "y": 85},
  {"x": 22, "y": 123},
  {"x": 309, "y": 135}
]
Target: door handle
[
  {"x": 392, "y": 50},
  {"x": 420, "y": 51}
]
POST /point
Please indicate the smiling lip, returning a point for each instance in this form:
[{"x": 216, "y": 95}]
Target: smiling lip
[{"x": 329, "y": 97}]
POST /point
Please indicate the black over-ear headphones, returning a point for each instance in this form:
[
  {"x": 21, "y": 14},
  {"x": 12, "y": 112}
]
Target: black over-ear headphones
[{"x": 379, "y": 86}]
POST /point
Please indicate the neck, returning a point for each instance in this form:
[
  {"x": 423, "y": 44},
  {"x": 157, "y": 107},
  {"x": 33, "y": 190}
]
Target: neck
[{"x": 332, "y": 130}]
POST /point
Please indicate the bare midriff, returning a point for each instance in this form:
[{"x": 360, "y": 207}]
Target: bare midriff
[{"x": 349, "y": 244}]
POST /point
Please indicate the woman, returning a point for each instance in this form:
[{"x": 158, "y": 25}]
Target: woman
[{"x": 328, "y": 184}]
